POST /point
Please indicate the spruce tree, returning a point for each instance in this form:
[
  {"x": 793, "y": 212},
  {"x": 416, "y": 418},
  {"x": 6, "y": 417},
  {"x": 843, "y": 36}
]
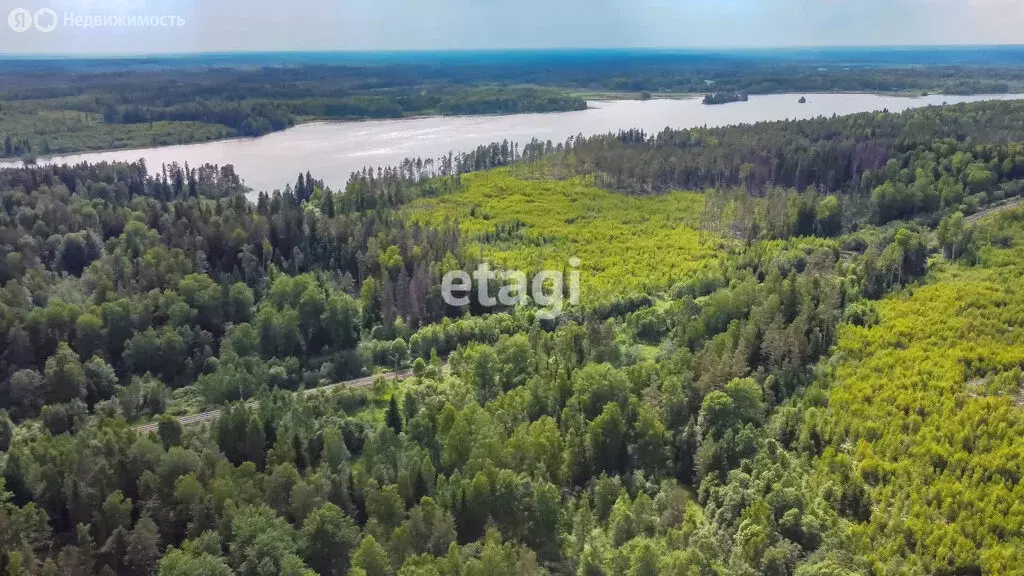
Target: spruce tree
[{"x": 393, "y": 417}]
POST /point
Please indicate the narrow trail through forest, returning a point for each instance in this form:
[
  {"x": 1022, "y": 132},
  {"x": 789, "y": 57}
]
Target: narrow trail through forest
[{"x": 213, "y": 414}]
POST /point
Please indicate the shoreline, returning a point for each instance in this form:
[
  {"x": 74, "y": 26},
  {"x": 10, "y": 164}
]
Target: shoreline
[
  {"x": 8, "y": 161},
  {"x": 131, "y": 154},
  {"x": 591, "y": 97}
]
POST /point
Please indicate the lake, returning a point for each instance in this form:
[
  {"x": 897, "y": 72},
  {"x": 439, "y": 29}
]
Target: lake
[{"x": 331, "y": 151}]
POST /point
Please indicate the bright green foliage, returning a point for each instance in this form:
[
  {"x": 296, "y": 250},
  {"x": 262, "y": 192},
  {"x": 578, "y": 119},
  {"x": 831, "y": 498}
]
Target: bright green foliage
[
  {"x": 329, "y": 537},
  {"x": 927, "y": 406},
  {"x": 178, "y": 563},
  {"x": 263, "y": 542},
  {"x": 625, "y": 244},
  {"x": 371, "y": 559}
]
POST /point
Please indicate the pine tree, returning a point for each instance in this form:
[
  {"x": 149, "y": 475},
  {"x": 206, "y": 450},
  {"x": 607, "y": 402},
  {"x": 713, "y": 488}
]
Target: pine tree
[
  {"x": 169, "y": 430},
  {"x": 300, "y": 454},
  {"x": 329, "y": 204},
  {"x": 255, "y": 443},
  {"x": 420, "y": 488},
  {"x": 393, "y": 418},
  {"x": 6, "y": 431}
]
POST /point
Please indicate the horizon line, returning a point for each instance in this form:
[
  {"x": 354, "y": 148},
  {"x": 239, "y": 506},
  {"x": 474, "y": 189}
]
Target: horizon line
[{"x": 455, "y": 51}]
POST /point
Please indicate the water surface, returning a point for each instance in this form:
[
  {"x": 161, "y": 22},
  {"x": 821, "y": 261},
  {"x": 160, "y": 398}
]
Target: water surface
[{"x": 331, "y": 151}]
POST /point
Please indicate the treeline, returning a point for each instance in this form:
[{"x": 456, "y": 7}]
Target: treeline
[
  {"x": 179, "y": 80},
  {"x": 725, "y": 97},
  {"x": 248, "y": 118},
  {"x": 502, "y": 101},
  {"x": 118, "y": 183},
  {"x": 16, "y": 148},
  {"x": 881, "y": 166},
  {"x": 254, "y": 117}
]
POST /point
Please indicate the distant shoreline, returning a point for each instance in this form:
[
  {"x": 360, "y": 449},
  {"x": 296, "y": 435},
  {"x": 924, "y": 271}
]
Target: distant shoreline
[
  {"x": 592, "y": 97},
  {"x": 333, "y": 150},
  {"x": 7, "y": 162}
]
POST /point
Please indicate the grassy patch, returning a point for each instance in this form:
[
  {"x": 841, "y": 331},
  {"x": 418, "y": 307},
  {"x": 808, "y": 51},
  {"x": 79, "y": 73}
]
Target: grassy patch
[
  {"x": 929, "y": 401},
  {"x": 625, "y": 244}
]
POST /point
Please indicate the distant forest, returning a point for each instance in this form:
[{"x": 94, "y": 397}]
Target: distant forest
[{"x": 61, "y": 106}]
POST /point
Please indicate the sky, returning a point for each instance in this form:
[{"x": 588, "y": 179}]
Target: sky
[{"x": 186, "y": 26}]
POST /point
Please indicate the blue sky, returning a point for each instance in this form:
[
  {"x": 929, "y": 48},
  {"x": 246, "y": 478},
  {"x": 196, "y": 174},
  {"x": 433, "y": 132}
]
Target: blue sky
[{"x": 245, "y": 25}]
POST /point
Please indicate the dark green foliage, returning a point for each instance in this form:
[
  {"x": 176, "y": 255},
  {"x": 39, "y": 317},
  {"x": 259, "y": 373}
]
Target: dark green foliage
[
  {"x": 330, "y": 537},
  {"x": 725, "y": 97},
  {"x": 143, "y": 551},
  {"x": 169, "y": 431},
  {"x": 6, "y": 431},
  {"x": 393, "y": 417},
  {"x": 156, "y": 311}
]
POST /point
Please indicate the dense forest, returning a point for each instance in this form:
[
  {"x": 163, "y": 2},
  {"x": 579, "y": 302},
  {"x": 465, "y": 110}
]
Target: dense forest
[
  {"x": 786, "y": 331},
  {"x": 173, "y": 108},
  {"x": 60, "y": 106},
  {"x": 878, "y": 167}
]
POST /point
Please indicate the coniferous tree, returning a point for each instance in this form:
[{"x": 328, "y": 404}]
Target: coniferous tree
[{"x": 393, "y": 417}]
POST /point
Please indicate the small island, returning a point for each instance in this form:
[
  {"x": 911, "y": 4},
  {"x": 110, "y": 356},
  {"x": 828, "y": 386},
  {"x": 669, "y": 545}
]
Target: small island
[
  {"x": 725, "y": 97},
  {"x": 803, "y": 99}
]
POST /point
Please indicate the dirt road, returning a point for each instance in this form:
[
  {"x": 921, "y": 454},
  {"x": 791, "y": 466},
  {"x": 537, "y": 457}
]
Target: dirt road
[{"x": 213, "y": 414}]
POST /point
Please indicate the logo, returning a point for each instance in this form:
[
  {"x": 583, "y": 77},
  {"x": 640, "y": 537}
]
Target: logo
[
  {"x": 45, "y": 20},
  {"x": 21, "y": 20},
  {"x": 549, "y": 288}
]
